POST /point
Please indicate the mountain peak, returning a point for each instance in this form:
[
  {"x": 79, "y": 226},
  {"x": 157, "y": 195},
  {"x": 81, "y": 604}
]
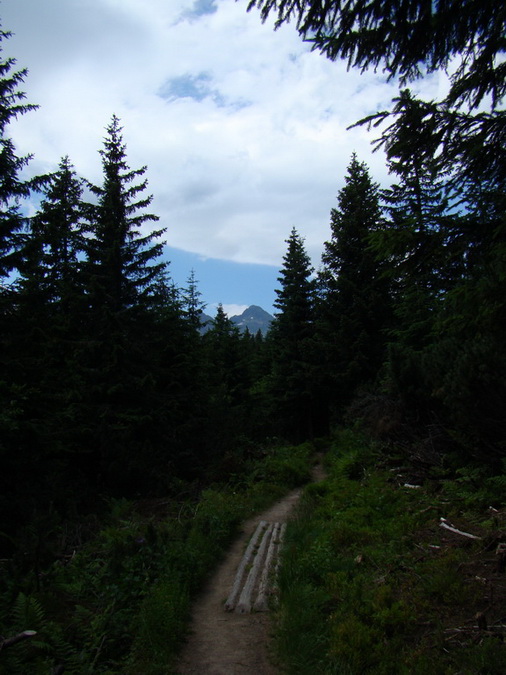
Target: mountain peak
[{"x": 254, "y": 318}]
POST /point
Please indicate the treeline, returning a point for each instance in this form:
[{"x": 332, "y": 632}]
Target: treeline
[
  {"x": 403, "y": 324},
  {"x": 408, "y": 308},
  {"x": 108, "y": 386}
]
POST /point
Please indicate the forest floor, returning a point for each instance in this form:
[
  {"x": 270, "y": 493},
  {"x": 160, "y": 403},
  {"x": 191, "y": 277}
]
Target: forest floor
[{"x": 227, "y": 643}]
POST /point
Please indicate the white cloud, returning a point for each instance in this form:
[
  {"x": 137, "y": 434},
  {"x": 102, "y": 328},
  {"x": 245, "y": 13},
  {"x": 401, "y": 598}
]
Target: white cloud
[
  {"x": 230, "y": 310},
  {"x": 242, "y": 128}
]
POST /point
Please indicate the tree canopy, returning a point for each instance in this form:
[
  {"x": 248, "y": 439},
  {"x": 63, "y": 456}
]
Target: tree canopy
[
  {"x": 407, "y": 37},
  {"x": 354, "y": 307},
  {"x": 12, "y": 186},
  {"x": 466, "y": 130}
]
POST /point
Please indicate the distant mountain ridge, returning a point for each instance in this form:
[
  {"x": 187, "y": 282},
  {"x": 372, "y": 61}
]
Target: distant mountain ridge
[{"x": 254, "y": 318}]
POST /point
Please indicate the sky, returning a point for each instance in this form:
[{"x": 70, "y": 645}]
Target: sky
[{"x": 243, "y": 129}]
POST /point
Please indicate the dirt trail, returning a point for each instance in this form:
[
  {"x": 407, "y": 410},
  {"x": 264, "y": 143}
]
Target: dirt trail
[{"x": 226, "y": 643}]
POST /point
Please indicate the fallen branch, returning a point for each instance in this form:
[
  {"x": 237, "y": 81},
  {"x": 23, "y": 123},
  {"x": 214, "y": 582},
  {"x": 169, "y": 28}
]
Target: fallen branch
[
  {"x": 8, "y": 642},
  {"x": 444, "y": 523}
]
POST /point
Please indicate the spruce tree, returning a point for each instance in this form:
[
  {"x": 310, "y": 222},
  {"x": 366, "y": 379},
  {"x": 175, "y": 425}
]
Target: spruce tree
[
  {"x": 16, "y": 453},
  {"x": 291, "y": 386},
  {"x": 465, "y": 365},
  {"x": 123, "y": 265},
  {"x": 417, "y": 241},
  {"x": 55, "y": 242},
  {"x": 192, "y": 305},
  {"x": 227, "y": 386},
  {"x": 295, "y": 302},
  {"x": 123, "y": 280},
  {"x": 354, "y": 304},
  {"x": 50, "y": 308},
  {"x": 13, "y": 188},
  {"x": 222, "y": 343}
]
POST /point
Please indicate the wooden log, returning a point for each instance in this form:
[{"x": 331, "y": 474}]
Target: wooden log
[
  {"x": 25, "y": 635},
  {"x": 281, "y": 537},
  {"x": 282, "y": 532},
  {"x": 244, "y": 604},
  {"x": 246, "y": 560},
  {"x": 262, "y": 603}
]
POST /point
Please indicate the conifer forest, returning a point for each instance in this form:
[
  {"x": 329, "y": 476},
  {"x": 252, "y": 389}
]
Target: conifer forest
[{"x": 114, "y": 400}]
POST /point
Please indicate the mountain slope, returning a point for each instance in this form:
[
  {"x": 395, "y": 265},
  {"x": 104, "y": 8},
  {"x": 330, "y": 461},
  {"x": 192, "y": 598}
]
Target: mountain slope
[{"x": 253, "y": 318}]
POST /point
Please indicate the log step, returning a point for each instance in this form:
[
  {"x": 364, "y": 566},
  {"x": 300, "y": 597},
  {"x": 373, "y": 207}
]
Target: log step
[{"x": 257, "y": 571}]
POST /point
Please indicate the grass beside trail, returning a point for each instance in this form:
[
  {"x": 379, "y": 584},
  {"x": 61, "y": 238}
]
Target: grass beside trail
[
  {"x": 371, "y": 583},
  {"x": 120, "y": 602}
]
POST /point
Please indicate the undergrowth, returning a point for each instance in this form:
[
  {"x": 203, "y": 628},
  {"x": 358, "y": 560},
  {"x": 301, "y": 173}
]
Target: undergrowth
[
  {"x": 120, "y": 603},
  {"x": 370, "y": 582}
]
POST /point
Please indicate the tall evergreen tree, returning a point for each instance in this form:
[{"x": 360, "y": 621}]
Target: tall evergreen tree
[
  {"x": 466, "y": 364},
  {"x": 418, "y": 206},
  {"x": 56, "y": 241},
  {"x": 50, "y": 308},
  {"x": 295, "y": 301},
  {"x": 227, "y": 386},
  {"x": 192, "y": 305},
  {"x": 12, "y": 187},
  {"x": 15, "y": 392},
  {"x": 354, "y": 306},
  {"x": 291, "y": 385},
  {"x": 123, "y": 277},
  {"x": 418, "y": 242},
  {"x": 122, "y": 267},
  {"x": 223, "y": 349}
]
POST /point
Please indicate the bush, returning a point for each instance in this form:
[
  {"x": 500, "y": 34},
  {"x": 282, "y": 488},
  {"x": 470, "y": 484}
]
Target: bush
[{"x": 362, "y": 592}]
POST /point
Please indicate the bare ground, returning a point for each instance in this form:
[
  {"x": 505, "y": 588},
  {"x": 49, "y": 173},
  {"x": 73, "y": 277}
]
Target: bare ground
[{"x": 226, "y": 643}]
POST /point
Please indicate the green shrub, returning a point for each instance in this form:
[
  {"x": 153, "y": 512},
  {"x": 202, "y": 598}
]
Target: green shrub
[
  {"x": 360, "y": 591},
  {"x": 161, "y": 625},
  {"x": 355, "y": 645}
]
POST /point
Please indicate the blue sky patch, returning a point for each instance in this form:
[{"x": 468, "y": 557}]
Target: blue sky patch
[
  {"x": 201, "y": 7},
  {"x": 204, "y": 7},
  {"x": 223, "y": 280},
  {"x": 196, "y": 87}
]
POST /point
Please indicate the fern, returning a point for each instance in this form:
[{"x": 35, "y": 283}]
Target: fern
[
  {"x": 37, "y": 655},
  {"x": 27, "y": 613}
]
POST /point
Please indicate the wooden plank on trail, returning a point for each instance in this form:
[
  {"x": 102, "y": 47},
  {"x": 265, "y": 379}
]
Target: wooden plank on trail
[
  {"x": 245, "y": 602},
  {"x": 256, "y": 575},
  {"x": 262, "y": 601},
  {"x": 246, "y": 560}
]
